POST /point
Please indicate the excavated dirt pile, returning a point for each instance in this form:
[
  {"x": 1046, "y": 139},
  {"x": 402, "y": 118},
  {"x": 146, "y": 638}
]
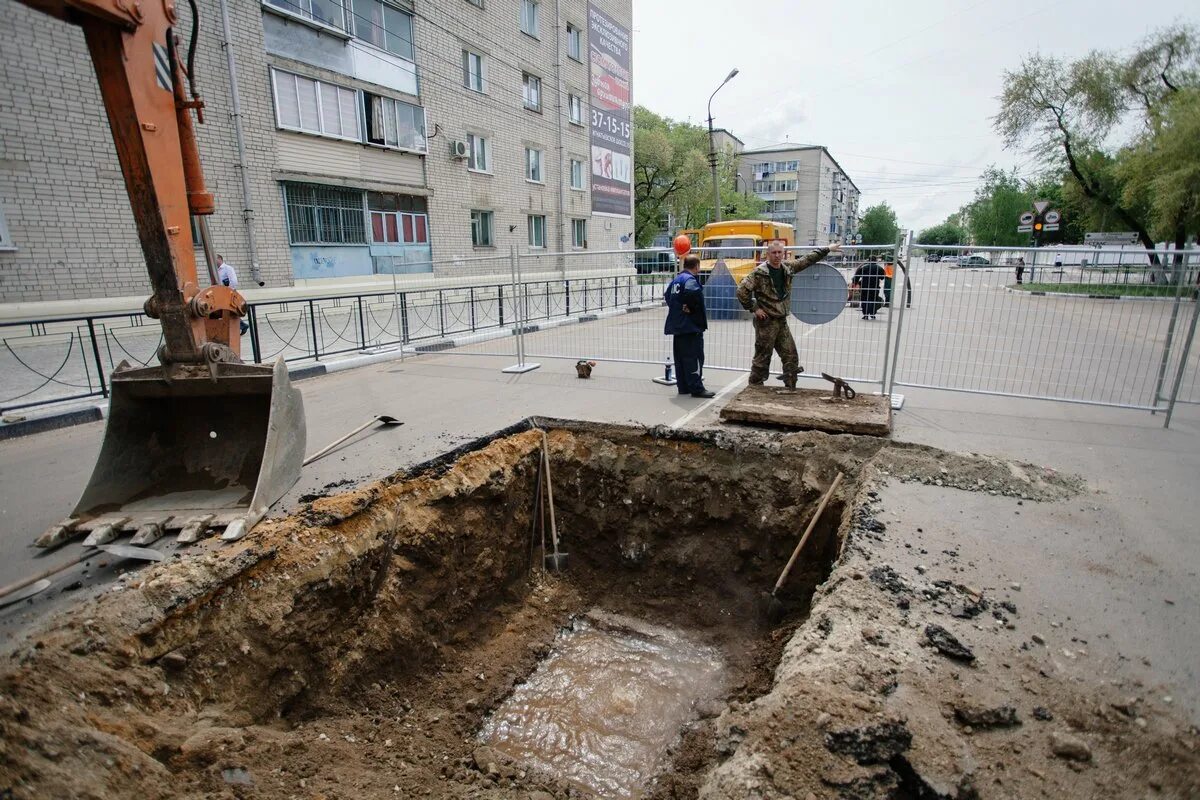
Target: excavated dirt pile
[
  {"x": 393, "y": 641},
  {"x": 360, "y": 645}
]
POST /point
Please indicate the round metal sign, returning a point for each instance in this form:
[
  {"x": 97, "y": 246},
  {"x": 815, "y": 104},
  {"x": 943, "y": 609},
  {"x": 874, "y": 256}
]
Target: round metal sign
[
  {"x": 1027, "y": 218},
  {"x": 1052, "y": 217},
  {"x": 818, "y": 294}
]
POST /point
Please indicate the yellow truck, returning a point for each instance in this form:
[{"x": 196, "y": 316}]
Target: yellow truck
[{"x": 739, "y": 243}]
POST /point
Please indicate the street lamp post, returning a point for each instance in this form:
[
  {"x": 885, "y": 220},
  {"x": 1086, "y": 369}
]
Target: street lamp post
[{"x": 712, "y": 147}]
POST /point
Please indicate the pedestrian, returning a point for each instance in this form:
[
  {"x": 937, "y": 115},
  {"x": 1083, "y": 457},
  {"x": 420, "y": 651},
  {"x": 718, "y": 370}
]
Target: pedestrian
[
  {"x": 868, "y": 278},
  {"x": 1020, "y": 268},
  {"x": 227, "y": 276},
  {"x": 686, "y": 323},
  {"x": 766, "y": 293},
  {"x": 1058, "y": 260}
]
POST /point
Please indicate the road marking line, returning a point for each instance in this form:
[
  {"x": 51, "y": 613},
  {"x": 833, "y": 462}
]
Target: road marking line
[{"x": 691, "y": 415}]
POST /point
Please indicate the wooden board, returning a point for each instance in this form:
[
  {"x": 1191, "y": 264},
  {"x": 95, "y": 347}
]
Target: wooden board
[{"x": 811, "y": 409}]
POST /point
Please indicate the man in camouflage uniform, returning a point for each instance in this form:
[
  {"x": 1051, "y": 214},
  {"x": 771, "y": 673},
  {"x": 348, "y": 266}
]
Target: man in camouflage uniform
[{"x": 766, "y": 292}]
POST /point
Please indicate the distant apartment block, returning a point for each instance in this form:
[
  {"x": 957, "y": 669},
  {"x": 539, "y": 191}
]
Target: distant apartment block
[{"x": 803, "y": 185}]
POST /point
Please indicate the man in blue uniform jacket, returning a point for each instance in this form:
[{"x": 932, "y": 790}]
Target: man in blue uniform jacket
[{"x": 686, "y": 322}]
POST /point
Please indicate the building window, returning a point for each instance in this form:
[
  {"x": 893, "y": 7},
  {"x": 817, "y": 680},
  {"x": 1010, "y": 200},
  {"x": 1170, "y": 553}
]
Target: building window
[
  {"x": 327, "y": 12},
  {"x": 574, "y": 42},
  {"x": 775, "y": 186},
  {"x": 394, "y": 123},
  {"x": 303, "y": 104},
  {"x": 399, "y": 227},
  {"x": 529, "y": 17},
  {"x": 579, "y": 233},
  {"x": 537, "y": 231},
  {"x": 481, "y": 228},
  {"x": 473, "y": 77},
  {"x": 531, "y": 90},
  {"x": 576, "y": 174},
  {"x": 479, "y": 153},
  {"x": 476, "y": 3},
  {"x": 575, "y": 109},
  {"x": 6, "y": 242},
  {"x": 383, "y": 25},
  {"x": 324, "y": 214},
  {"x": 533, "y": 165}
]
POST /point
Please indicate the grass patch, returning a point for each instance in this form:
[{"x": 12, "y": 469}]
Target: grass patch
[{"x": 1104, "y": 289}]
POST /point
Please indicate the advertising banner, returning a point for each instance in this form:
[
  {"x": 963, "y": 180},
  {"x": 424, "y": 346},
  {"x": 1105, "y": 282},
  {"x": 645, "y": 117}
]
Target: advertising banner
[{"x": 611, "y": 123}]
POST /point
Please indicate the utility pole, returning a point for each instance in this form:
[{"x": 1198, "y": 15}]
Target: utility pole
[{"x": 712, "y": 149}]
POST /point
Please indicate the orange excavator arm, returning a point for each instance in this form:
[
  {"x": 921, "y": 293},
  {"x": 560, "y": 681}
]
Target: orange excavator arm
[
  {"x": 133, "y": 46},
  {"x": 201, "y": 441}
]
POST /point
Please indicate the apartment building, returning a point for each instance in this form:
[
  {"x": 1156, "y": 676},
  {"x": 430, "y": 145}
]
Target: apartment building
[
  {"x": 375, "y": 137},
  {"x": 805, "y": 187}
]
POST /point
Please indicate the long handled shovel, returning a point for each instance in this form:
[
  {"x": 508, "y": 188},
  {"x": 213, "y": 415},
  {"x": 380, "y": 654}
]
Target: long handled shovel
[
  {"x": 774, "y": 606},
  {"x": 382, "y": 419},
  {"x": 555, "y": 562}
]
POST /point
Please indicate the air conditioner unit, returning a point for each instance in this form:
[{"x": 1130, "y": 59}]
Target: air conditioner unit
[{"x": 458, "y": 149}]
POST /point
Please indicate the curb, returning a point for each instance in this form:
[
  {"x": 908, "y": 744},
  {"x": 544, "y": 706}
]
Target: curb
[
  {"x": 50, "y": 422},
  {"x": 93, "y": 413},
  {"x": 1081, "y": 296}
]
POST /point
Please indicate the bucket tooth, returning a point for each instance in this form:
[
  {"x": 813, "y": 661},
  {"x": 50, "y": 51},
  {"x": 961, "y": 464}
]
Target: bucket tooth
[
  {"x": 103, "y": 534},
  {"x": 147, "y": 533},
  {"x": 194, "y": 528},
  {"x": 235, "y": 530},
  {"x": 58, "y": 534}
]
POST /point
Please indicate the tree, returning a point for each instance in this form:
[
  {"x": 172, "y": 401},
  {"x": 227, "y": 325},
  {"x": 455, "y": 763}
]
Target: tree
[
  {"x": 878, "y": 225},
  {"x": 1073, "y": 115},
  {"x": 1161, "y": 171},
  {"x": 672, "y": 178},
  {"x": 948, "y": 232},
  {"x": 993, "y": 215},
  {"x": 668, "y": 164}
]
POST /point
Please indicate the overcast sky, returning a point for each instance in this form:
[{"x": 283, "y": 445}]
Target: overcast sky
[{"x": 902, "y": 93}]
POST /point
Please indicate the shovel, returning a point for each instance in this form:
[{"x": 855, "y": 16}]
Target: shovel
[
  {"x": 555, "y": 562},
  {"x": 382, "y": 419},
  {"x": 774, "y": 606},
  {"x": 31, "y": 585}
]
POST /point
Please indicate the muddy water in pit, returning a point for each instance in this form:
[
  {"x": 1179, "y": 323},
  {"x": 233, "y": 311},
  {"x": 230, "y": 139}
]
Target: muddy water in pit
[{"x": 602, "y": 709}]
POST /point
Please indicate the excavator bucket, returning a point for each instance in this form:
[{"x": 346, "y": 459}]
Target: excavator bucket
[{"x": 190, "y": 452}]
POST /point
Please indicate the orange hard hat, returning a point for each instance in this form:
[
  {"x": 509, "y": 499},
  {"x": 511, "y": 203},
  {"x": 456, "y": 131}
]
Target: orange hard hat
[{"x": 682, "y": 244}]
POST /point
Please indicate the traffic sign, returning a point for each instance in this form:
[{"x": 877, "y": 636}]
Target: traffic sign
[
  {"x": 1112, "y": 237},
  {"x": 1024, "y": 228},
  {"x": 1027, "y": 218},
  {"x": 1050, "y": 227},
  {"x": 1041, "y": 205},
  {"x": 1052, "y": 217}
]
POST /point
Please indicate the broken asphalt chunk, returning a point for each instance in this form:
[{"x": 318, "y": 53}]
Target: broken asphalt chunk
[{"x": 947, "y": 644}]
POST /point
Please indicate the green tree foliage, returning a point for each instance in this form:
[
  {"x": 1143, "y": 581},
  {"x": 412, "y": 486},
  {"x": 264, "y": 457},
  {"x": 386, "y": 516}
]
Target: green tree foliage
[
  {"x": 1161, "y": 171},
  {"x": 992, "y": 216},
  {"x": 948, "y": 232},
  {"x": 878, "y": 225},
  {"x": 1078, "y": 117},
  {"x": 671, "y": 177}
]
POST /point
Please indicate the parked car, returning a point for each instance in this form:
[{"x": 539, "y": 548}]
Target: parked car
[
  {"x": 975, "y": 260},
  {"x": 649, "y": 263},
  {"x": 932, "y": 258},
  {"x": 952, "y": 260}
]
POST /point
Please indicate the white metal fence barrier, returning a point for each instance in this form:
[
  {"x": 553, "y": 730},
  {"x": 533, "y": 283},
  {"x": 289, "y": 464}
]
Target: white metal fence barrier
[{"x": 1109, "y": 328}]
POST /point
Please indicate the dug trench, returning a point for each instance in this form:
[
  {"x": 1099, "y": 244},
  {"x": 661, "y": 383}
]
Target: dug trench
[{"x": 404, "y": 640}]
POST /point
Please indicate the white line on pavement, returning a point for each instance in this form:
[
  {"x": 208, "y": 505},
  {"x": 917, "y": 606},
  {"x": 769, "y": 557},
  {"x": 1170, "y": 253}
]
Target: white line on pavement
[{"x": 695, "y": 412}]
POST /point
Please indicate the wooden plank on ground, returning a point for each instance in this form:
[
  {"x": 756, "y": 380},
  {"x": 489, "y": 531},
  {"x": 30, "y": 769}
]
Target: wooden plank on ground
[{"x": 810, "y": 409}]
